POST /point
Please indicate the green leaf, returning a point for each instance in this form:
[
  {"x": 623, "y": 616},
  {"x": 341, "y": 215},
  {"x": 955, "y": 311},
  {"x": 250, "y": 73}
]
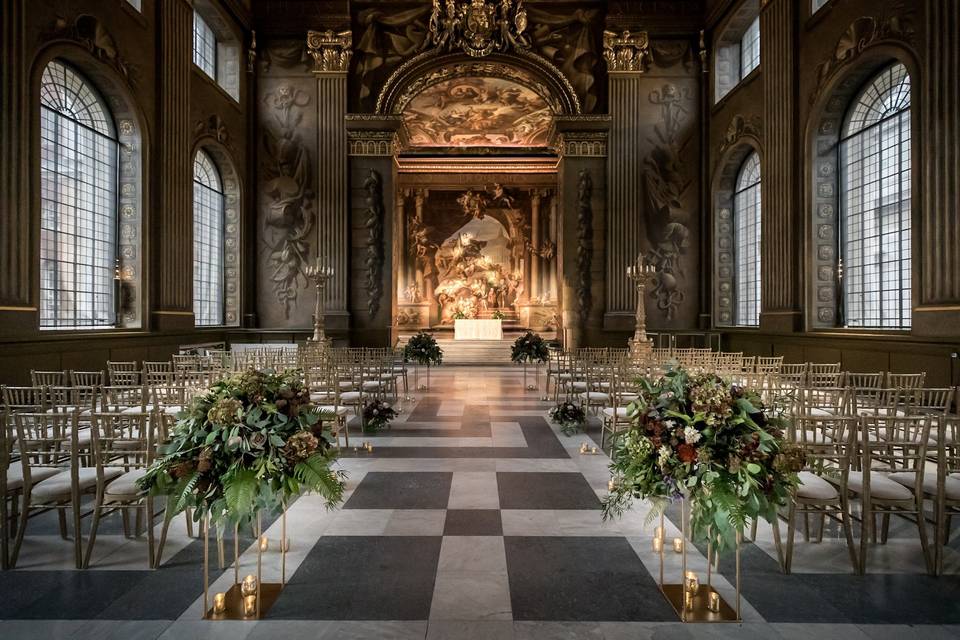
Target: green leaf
[
  {"x": 754, "y": 468},
  {"x": 316, "y": 474},
  {"x": 240, "y": 492}
]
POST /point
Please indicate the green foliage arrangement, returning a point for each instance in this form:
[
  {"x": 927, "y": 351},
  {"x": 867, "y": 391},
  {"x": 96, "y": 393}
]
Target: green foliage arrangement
[
  {"x": 569, "y": 416},
  {"x": 498, "y": 315},
  {"x": 713, "y": 443},
  {"x": 530, "y": 347},
  {"x": 422, "y": 348},
  {"x": 252, "y": 442},
  {"x": 377, "y": 415}
]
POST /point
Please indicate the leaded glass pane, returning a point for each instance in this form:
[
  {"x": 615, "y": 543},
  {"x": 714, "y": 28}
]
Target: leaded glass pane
[
  {"x": 204, "y": 46},
  {"x": 746, "y": 234},
  {"x": 750, "y": 49},
  {"x": 208, "y": 231}
]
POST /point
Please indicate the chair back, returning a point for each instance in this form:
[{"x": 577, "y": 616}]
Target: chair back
[
  {"x": 49, "y": 378},
  {"x": 864, "y": 380},
  {"x": 86, "y": 378},
  {"x": 47, "y": 440},
  {"x": 120, "y": 398},
  {"x": 906, "y": 380},
  {"x": 121, "y": 441},
  {"x": 769, "y": 365}
]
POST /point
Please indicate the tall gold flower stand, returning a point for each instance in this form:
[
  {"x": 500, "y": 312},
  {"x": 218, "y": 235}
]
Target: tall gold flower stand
[
  {"x": 693, "y": 601},
  {"x": 249, "y": 598}
]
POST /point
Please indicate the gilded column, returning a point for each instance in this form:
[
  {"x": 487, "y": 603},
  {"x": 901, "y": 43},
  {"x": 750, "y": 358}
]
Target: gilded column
[
  {"x": 15, "y": 260},
  {"x": 331, "y": 54},
  {"x": 174, "y": 264},
  {"x": 778, "y": 169},
  {"x": 940, "y": 232},
  {"x": 627, "y": 55}
]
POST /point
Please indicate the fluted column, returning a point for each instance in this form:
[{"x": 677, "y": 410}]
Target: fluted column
[
  {"x": 627, "y": 58},
  {"x": 15, "y": 261},
  {"x": 779, "y": 235},
  {"x": 535, "y": 198},
  {"x": 331, "y": 53},
  {"x": 939, "y": 309},
  {"x": 174, "y": 230}
]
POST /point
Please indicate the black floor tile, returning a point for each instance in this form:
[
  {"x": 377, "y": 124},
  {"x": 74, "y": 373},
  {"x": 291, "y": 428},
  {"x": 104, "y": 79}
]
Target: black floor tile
[
  {"x": 388, "y": 490},
  {"x": 473, "y": 522},
  {"x": 363, "y": 578},
  {"x": 545, "y": 490},
  {"x": 557, "y": 578}
]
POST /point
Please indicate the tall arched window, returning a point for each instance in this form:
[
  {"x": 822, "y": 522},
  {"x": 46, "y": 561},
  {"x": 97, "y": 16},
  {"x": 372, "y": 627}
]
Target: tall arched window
[
  {"x": 746, "y": 241},
  {"x": 208, "y": 233},
  {"x": 875, "y": 203},
  {"x": 78, "y": 203}
]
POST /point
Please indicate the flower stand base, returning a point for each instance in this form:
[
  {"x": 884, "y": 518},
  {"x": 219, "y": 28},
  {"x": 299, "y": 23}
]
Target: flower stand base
[
  {"x": 269, "y": 592},
  {"x": 698, "y": 606}
]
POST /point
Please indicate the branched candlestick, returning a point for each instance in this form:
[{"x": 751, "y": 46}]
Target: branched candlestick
[
  {"x": 641, "y": 273},
  {"x": 320, "y": 275}
]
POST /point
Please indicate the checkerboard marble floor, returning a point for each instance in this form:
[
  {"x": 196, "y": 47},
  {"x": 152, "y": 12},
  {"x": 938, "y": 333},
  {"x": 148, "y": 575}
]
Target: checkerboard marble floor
[{"x": 472, "y": 518}]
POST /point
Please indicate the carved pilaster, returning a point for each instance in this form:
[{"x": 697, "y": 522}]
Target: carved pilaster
[
  {"x": 779, "y": 252},
  {"x": 15, "y": 259},
  {"x": 330, "y": 51},
  {"x": 626, "y": 52},
  {"x": 175, "y": 228}
]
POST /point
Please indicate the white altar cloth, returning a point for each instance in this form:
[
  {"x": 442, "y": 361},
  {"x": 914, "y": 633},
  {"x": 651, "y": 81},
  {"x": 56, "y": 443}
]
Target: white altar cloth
[{"x": 477, "y": 330}]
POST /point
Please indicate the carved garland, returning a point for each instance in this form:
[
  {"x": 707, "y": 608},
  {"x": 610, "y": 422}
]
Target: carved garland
[
  {"x": 373, "y": 185},
  {"x": 584, "y": 241}
]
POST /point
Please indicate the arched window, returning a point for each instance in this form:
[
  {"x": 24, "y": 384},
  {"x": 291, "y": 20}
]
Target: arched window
[
  {"x": 78, "y": 203},
  {"x": 875, "y": 204},
  {"x": 746, "y": 241},
  {"x": 208, "y": 234}
]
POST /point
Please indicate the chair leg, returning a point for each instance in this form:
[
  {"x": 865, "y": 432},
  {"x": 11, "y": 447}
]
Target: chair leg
[
  {"x": 62, "y": 522},
  {"x": 150, "y": 537},
  {"x": 5, "y": 533},
  {"x": 924, "y": 543},
  {"x": 778, "y": 545},
  {"x": 791, "y": 534},
  {"x": 167, "y": 517},
  {"x": 189, "y": 517},
  {"x": 885, "y": 529},
  {"x": 77, "y": 533},
  {"x": 94, "y": 525},
  {"x": 125, "y": 518},
  {"x": 848, "y": 534},
  {"x": 867, "y": 531}
]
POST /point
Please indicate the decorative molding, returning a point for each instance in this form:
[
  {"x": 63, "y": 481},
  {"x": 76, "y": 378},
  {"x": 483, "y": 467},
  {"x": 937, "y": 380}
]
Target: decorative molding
[
  {"x": 894, "y": 23},
  {"x": 214, "y": 127},
  {"x": 89, "y": 32},
  {"x": 739, "y": 128},
  {"x": 584, "y": 242},
  {"x": 583, "y": 145},
  {"x": 626, "y": 52},
  {"x": 373, "y": 185},
  {"x": 371, "y": 143},
  {"x": 479, "y": 27},
  {"x": 330, "y": 51}
]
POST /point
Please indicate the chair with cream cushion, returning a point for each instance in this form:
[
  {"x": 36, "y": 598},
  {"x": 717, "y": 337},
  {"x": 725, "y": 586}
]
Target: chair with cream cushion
[
  {"x": 829, "y": 444},
  {"x": 624, "y": 389},
  {"x": 824, "y": 402},
  {"x": 123, "y": 447},
  {"x": 890, "y": 481}
]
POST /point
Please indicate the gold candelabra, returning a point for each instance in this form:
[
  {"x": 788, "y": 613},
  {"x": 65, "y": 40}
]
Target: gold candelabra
[
  {"x": 320, "y": 275},
  {"x": 641, "y": 273}
]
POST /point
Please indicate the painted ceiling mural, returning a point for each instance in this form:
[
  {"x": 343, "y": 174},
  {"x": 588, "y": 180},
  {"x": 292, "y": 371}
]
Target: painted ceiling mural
[{"x": 478, "y": 112}]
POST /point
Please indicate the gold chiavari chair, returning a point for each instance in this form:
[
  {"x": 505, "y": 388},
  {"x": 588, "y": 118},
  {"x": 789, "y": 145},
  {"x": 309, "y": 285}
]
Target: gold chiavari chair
[
  {"x": 592, "y": 384},
  {"x": 824, "y": 402},
  {"x": 829, "y": 444},
  {"x": 824, "y": 379},
  {"x": 823, "y": 367},
  {"x": 947, "y": 494},
  {"x": 123, "y": 373},
  {"x": 769, "y": 365},
  {"x": 864, "y": 380},
  {"x": 793, "y": 374},
  {"x": 749, "y": 364},
  {"x": 866, "y": 401},
  {"x": 123, "y": 448},
  {"x": 564, "y": 374},
  {"x": 157, "y": 373},
  {"x": 15, "y": 400},
  {"x": 891, "y": 447},
  {"x": 123, "y": 399},
  {"x": 906, "y": 380},
  {"x": 49, "y": 378},
  {"x": 86, "y": 378},
  {"x": 624, "y": 389}
]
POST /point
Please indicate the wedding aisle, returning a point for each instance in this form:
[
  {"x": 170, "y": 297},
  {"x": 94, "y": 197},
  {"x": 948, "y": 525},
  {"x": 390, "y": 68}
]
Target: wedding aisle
[{"x": 472, "y": 517}]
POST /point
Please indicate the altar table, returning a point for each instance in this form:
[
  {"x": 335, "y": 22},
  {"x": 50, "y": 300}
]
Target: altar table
[{"x": 477, "y": 330}]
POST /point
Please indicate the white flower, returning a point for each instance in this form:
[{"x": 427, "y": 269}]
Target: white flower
[
  {"x": 691, "y": 435},
  {"x": 375, "y": 412},
  {"x": 663, "y": 455}
]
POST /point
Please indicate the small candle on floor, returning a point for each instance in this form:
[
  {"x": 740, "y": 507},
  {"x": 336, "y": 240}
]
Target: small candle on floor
[
  {"x": 658, "y": 533},
  {"x": 713, "y": 602},
  {"x": 264, "y": 543},
  {"x": 678, "y": 545},
  {"x": 658, "y": 545},
  {"x": 250, "y": 606},
  {"x": 249, "y": 585},
  {"x": 219, "y": 602}
]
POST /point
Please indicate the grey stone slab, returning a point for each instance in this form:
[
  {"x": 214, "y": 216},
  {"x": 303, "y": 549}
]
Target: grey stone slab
[
  {"x": 545, "y": 490},
  {"x": 473, "y": 522},
  {"x": 412, "y": 490},
  {"x": 465, "y": 595}
]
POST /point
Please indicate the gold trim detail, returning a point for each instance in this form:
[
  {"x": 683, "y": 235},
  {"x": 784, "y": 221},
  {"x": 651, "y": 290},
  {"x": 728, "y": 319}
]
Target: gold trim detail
[
  {"x": 330, "y": 51},
  {"x": 942, "y": 307},
  {"x": 173, "y": 313},
  {"x": 18, "y": 308}
]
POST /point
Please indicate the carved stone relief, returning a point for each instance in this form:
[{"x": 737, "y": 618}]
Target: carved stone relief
[
  {"x": 584, "y": 242},
  {"x": 373, "y": 185},
  {"x": 88, "y": 31}
]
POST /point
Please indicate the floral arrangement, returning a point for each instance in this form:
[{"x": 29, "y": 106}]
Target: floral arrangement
[
  {"x": 530, "y": 347},
  {"x": 498, "y": 315},
  {"x": 422, "y": 348},
  {"x": 459, "y": 315},
  {"x": 251, "y": 442},
  {"x": 377, "y": 415},
  {"x": 713, "y": 443},
  {"x": 571, "y": 417}
]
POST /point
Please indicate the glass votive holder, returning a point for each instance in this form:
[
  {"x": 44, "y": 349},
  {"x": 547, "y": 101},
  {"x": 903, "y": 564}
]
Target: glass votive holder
[
  {"x": 658, "y": 545},
  {"x": 593, "y": 450},
  {"x": 688, "y": 601},
  {"x": 678, "y": 545},
  {"x": 249, "y": 606},
  {"x": 264, "y": 543},
  {"x": 658, "y": 533},
  {"x": 611, "y": 484},
  {"x": 219, "y": 602},
  {"x": 249, "y": 585},
  {"x": 691, "y": 583},
  {"x": 713, "y": 602}
]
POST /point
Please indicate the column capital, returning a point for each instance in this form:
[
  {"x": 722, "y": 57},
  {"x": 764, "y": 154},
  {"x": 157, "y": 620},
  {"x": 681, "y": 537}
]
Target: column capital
[
  {"x": 626, "y": 52},
  {"x": 331, "y": 51}
]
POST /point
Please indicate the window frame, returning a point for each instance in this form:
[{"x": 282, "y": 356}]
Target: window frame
[
  {"x": 199, "y": 37},
  {"x": 754, "y": 44},
  {"x": 902, "y": 117},
  {"x": 757, "y": 225},
  {"x": 112, "y": 265},
  {"x": 220, "y": 193}
]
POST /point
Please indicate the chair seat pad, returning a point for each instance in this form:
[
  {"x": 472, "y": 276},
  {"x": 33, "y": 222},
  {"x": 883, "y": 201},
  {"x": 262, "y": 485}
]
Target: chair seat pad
[
  {"x": 596, "y": 396},
  {"x": 350, "y": 397},
  {"x": 813, "y": 487},
  {"x": 820, "y": 412},
  {"x": 909, "y": 479},
  {"x": 57, "y": 487},
  {"x": 881, "y": 486},
  {"x": 321, "y": 396},
  {"x": 347, "y": 384},
  {"x": 372, "y": 385},
  {"x": 329, "y": 408},
  {"x": 84, "y": 412},
  {"x": 137, "y": 409},
  {"x": 620, "y": 411},
  {"x": 125, "y": 485},
  {"x": 38, "y": 474},
  {"x": 629, "y": 397}
]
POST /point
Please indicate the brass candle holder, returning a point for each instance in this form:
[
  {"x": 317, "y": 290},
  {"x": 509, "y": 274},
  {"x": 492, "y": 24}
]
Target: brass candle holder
[
  {"x": 250, "y": 598},
  {"x": 693, "y": 601}
]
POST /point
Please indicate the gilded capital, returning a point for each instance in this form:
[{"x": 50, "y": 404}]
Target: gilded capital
[
  {"x": 626, "y": 51},
  {"x": 331, "y": 51}
]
